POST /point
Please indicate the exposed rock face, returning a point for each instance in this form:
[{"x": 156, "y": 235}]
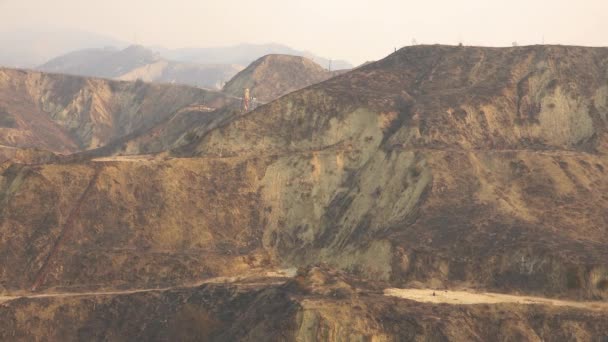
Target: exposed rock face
[
  {"x": 273, "y": 76},
  {"x": 435, "y": 167},
  {"x": 67, "y": 114},
  {"x": 442, "y": 165}
]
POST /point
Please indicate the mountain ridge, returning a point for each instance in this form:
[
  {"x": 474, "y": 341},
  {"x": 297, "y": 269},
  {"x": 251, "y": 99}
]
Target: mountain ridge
[
  {"x": 464, "y": 171},
  {"x": 66, "y": 114},
  {"x": 210, "y": 67}
]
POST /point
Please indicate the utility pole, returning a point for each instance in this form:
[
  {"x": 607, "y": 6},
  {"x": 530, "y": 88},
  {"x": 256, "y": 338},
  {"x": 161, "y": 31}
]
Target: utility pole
[
  {"x": 330, "y": 65},
  {"x": 245, "y": 101}
]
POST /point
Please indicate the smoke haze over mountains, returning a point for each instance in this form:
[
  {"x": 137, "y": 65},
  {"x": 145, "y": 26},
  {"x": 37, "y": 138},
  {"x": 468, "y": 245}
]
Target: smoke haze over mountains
[{"x": 353, "y": 30}]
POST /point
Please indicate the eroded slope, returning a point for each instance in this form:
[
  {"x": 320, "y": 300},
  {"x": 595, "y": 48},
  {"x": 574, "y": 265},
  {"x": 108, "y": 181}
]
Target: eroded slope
[
  {"x": 442, "y": 165},
  {"x": 66, "y": 114},
  {"x": 437, "y": 167}
]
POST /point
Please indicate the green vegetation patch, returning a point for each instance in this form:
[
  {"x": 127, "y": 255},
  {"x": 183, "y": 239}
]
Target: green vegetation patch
[{"x": 7, "y": 120}]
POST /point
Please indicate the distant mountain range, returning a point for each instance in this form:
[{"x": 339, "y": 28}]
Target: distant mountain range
[
  {"x": 138, "y": 62},
  {"x": 244, "y": 54},
  {"x": 106, "y": 62},
  {"x": 30, "y": 48},
  {"x": 87, "y": 54},
  {"x": 209, "y": 68}
]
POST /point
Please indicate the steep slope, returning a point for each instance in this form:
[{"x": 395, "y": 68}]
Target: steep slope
[
  {"x": 273, "y": 76},
  {"x": 180, "y": 128},
  {"x": 185, "y": 126},
  {"x": 66, "y": 114},
  {"x": 476, "y": 169},
  {"x": 442, "y": 166},
  {"x": 140, "y": 222},
  {"x": 435, "y": 166}
]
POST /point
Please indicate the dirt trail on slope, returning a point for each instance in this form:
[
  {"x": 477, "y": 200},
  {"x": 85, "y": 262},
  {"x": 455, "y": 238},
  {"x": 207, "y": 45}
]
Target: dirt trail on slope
[
  {"x": 336, "y": 148},
  {"x": 127, "y": 158},
  {"x": 64, "y": 235},
  {"x": 280, "y": 276},
  {"x": 472, "y": 298}
]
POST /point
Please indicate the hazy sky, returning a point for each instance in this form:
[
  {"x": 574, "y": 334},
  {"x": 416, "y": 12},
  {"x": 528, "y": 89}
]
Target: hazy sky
[{"x": 355, "y": 30}]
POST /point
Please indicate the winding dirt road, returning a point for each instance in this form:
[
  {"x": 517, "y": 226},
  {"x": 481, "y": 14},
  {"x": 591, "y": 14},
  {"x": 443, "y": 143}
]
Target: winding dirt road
[{"x": 280, "y": 276}]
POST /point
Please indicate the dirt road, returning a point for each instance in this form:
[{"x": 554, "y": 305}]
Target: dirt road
[
  {"x": 471, "y": 298},
  {"x": 279, "y": 276}
]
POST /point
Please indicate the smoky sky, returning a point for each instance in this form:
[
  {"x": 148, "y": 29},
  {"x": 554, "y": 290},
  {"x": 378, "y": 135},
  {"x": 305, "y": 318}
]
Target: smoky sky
[{"x": 354, "y": 30}]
